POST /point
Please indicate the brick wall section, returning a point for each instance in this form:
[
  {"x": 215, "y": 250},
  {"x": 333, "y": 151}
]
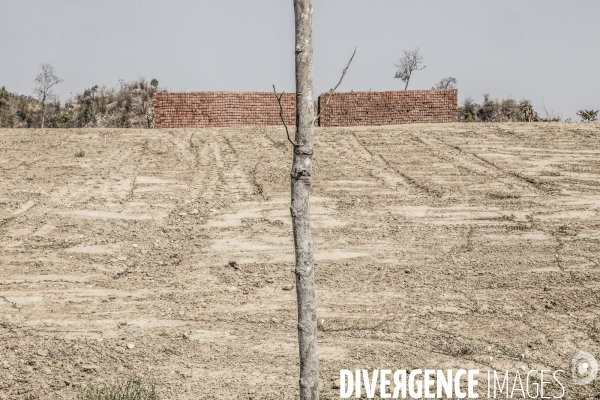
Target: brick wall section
[
  {"x": 390, "y": 108},
  {"x": 213, "y": 109}
]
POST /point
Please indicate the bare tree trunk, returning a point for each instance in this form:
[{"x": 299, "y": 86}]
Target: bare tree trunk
[
  {"x": 44, "y": 106},
  {"x": 43, "y": 113},
  {"x": 301, "y": 175}
]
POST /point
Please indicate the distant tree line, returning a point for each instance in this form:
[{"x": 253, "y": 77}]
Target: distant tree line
[
  {"x": 505, "y": 110},
  {"x": 129, "y": 105}
]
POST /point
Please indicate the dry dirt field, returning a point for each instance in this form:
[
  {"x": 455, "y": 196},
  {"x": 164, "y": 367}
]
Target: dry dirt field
[{"x": 168, "y": 254}]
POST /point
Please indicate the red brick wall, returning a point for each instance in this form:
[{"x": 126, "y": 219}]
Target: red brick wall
[
  {"x": 390, "y": 108},
  {"x": 213, "y": 109}
]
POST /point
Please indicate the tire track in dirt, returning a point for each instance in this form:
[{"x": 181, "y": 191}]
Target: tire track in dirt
[
  {"x": 474, "y": 164},
  {"x": 538, "y": 185},
  {"x": 268, "y": 173},
  {"x": 219, "y": 177},
  {"x": 380, "y": 167},
  {"x": 134, "y": 176},
  {"x": 195, "y": 149},
  {"x": 250, "y": 164},
  {"x": 112, "y": 166},
  {"x": 263, "y": 145},
  {"x": 185, "y": 156},
  {"x": 209, "y": 171},
  {"x": 343, "y": 166},
  {"x": 4, "y": 223},
  {"x": 429, "y": 188},
  {"x": 281, "y": 143},
  {"x": 475, "y": 159},
  {"x": 234, "y": 171},
  {"x": 466, "y": 176},
  {"x": 259, "y": 189}
]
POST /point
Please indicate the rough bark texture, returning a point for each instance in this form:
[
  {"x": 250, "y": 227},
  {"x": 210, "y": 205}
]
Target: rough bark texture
[{"x": 301, "y": 175}]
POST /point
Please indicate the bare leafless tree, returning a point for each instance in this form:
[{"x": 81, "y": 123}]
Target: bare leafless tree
[
  {"x": 408, "y": 64},
  {"x": 45, "y": 81},
  {"x": 301, "y": 179},
  {"x": 446, "y": 83},
  {"x": 301, "y": 175}
]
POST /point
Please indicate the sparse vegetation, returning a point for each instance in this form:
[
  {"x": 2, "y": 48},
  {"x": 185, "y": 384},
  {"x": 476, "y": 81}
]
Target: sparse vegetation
[
  {"x": 411, "y": 62},
  {"x": 19, "y": 111},
  {"x": 462, "y": 350},
  {"x": 588, "y": 115},
  {"x": 567, "y": 230},
  {"x": 6, "y": 117},
  {"x": 80, "y": 153},
  {"x": 127, "y": 106},
  {"x": 503, "y": 195},
  {"x": 505, "y": 110},
  {"x": 446, "y": 83},
  {"x": 134, "y": 388},
  {"x": 520, "y": 227},
  {"x": 321, "y": 325}
]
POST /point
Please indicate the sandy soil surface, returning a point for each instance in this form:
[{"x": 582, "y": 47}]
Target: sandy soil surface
[{"x": 168, "y": 254}]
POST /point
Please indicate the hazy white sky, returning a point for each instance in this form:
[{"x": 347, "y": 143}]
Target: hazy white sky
[{"x": 534, "y": 49}]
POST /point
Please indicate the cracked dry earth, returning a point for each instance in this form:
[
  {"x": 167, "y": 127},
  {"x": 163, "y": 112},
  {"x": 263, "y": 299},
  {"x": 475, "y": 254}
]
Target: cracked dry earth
[{"x": 168, "y": 254}]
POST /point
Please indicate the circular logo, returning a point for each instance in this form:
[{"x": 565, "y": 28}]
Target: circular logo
[{"x": 584, "y": 368}]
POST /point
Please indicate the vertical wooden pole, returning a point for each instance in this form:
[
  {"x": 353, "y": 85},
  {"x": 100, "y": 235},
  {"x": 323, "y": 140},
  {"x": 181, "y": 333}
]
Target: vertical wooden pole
[{"x": 301, "y": 175}]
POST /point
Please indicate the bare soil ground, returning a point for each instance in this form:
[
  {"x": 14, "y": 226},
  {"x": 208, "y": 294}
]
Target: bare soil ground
[{"x": 168, "y": 254}]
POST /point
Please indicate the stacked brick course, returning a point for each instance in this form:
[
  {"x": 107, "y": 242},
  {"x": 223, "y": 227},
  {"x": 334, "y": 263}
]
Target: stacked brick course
[
  {"x": 213, "y": 109},
  {"x": 390, "y": 108}
]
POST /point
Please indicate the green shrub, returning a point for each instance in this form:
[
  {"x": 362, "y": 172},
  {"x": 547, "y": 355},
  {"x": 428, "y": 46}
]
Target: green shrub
[
  {"x": 468, "y": 110},
  {"x": 503, "y": 195},
  {"x": 588, "y": 115},
  {"x": 134, "y": 388}
]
